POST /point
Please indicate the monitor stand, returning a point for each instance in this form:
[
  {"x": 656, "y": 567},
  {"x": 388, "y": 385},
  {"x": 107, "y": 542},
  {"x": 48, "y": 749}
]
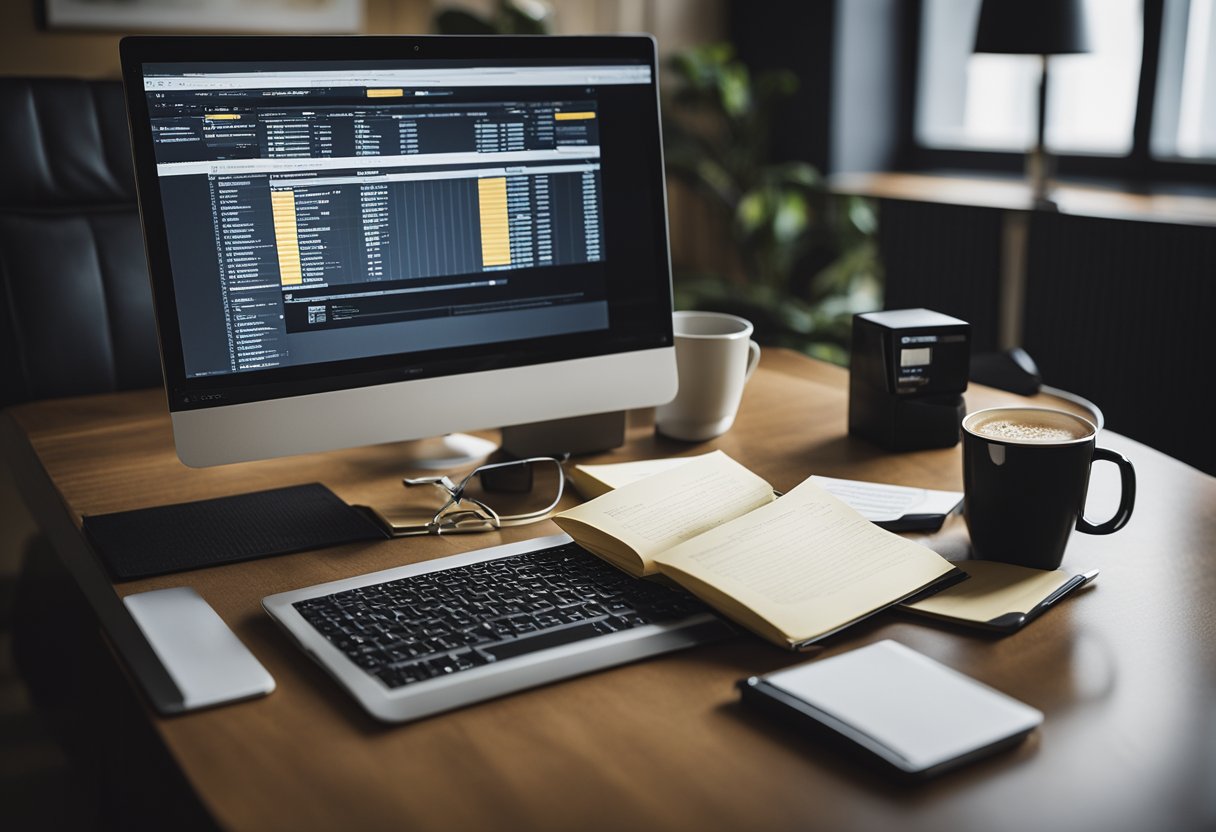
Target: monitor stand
[
  {"x": 557, "y": 437},
  {"x": 450, "y": 451},
  {"x": 560, "y": 437}
]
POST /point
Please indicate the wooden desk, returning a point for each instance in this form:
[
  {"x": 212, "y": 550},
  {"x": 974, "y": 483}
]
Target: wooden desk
[
  {"x": 1125, "y": 672},
  {"x": 1010, "y": 194}
]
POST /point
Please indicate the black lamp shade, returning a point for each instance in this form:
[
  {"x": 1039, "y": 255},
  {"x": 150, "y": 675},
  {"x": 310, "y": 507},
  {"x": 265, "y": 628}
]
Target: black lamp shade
[{"x": 1032, "y": 27}]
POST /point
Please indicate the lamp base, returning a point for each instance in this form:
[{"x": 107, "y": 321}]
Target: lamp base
[{"x": 1040, "y": 167}]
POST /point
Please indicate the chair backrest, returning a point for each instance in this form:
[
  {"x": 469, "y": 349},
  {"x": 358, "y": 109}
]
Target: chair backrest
[{"x": 75, "y": 302}]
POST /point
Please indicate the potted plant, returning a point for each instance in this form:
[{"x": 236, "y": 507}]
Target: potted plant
[{"x": 804, "y": 259}]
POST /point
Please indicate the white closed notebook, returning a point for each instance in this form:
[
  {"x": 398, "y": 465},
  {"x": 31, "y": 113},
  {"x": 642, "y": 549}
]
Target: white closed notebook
[{"x": 917, "y": 714}]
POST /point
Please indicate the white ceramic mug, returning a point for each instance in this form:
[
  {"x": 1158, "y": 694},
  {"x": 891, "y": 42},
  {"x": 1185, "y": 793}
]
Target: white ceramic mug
[{"x": 715, "y": 357}]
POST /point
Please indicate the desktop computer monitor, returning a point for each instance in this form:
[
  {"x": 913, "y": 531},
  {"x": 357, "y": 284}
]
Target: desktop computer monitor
[{"x": 362, "y": 240}]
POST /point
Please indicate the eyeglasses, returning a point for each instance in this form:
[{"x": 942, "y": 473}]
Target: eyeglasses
[{"x": 491, "y": 497}]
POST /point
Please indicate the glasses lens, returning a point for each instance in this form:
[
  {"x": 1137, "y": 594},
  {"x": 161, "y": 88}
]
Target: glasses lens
[{"x": 518, "y": 488}]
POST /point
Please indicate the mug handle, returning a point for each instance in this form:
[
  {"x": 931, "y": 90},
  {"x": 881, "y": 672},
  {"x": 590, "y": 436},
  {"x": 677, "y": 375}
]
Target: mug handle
[
  {"x": 753, "y": 359},
  {"x": 1127, "y": 497}
]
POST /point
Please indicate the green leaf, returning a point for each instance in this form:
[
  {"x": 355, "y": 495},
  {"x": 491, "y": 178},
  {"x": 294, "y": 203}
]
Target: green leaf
[
  {"x": 790, "y": 219},
  {"x": 735, "y": 90},
  {"x": 862, "y": 215},
  {"x": 802, "y": 174},
  {"x": 752, "y": 212}
]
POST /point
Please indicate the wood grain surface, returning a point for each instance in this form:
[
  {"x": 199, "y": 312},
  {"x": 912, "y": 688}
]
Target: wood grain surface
[
  {"x": 1125, "y": 672},
  {"x": 1011, "y": 194}
]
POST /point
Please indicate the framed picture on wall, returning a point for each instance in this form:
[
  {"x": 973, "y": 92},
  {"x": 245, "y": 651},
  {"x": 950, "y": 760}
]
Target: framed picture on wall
[{"x": 270, "y": 16}]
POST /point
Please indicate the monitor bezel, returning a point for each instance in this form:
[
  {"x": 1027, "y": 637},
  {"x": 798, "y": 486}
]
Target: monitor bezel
[{"x": 185, "y": 393}]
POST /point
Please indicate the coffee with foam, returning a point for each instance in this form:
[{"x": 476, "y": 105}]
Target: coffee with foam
[{"x": 1030, "y": 426}]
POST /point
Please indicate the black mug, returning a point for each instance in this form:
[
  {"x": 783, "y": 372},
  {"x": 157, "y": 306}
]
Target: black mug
[{"x": 1025, "y": 477}]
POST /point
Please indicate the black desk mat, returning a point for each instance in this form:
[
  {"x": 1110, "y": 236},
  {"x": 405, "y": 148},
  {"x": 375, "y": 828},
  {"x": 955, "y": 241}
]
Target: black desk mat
[{"x": 157, "y": 541}]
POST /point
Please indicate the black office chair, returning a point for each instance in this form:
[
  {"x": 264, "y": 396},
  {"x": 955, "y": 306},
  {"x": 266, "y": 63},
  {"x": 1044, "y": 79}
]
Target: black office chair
[
  {"x": 75, "y": 303},
  {"x": 75, "y": 318}
]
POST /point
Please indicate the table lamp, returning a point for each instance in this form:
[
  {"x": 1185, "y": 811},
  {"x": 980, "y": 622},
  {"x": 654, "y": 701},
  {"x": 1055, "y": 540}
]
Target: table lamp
[{"x": 1034, "y": 27}]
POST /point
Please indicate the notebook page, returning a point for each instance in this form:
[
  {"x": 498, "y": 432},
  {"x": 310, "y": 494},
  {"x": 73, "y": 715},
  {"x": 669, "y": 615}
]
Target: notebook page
[
  {"x": 807, "y": 563},
  {"x": 994, "y": 589},
  {"x": 656, "y": 513}
]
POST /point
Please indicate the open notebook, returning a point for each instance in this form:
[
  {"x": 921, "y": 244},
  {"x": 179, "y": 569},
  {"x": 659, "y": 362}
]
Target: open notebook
[{"x": 792, "y": 569}]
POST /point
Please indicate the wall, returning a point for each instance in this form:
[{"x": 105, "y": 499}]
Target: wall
[
  {"x": 1116, "y": 311},
  {"x": 26, "y": 49},
  {"x": 797, "y": 36},
  {"x": 867, "y": 59}
]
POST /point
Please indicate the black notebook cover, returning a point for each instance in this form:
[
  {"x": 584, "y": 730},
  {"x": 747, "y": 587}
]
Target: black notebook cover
[{"x": 156, "y": 541}]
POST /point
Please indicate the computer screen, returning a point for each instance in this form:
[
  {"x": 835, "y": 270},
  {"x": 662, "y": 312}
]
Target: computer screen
[{"x": 326, "y": 219}]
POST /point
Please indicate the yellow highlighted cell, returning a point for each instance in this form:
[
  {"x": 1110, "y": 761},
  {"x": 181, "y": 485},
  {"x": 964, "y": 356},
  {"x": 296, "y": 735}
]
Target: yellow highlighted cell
[
  {"x": 580, "y": 116},
  {"x": 495, "y": 227},
  {"x": 283, "y": 209},
  {"x": 222, "y": 117},
  {"x": 386, "y": 93}
]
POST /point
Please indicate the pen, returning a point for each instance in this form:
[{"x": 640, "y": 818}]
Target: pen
[
  {"x": 1073, "y": 583},
  {"x": 913, "y": 523}
]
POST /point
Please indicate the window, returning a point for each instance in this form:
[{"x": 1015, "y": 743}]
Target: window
[
  {"x": 1140, "y": 109},
  {"x": 1184, "y": 121},
  {"x": 989, "y": 102}
]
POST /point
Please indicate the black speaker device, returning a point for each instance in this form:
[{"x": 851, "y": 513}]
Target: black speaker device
[{"x": 907, "y": 374}]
